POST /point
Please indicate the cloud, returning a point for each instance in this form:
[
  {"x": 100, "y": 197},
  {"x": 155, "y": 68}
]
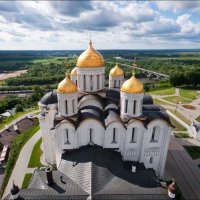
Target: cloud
[
  {"x": 179, "y": 6},
  {"x": 71, "y": 8},
  {"x": 8, "y": 6}
]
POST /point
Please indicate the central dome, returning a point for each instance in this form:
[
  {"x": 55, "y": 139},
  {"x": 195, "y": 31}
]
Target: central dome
[{"x": 90, "y": 58}]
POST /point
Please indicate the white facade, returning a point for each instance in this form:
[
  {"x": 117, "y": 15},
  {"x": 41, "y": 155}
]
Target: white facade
[
  {"x": 115, "y": 82},
  {"x": 131, "y": 104},
  {"x": 67, "y": 104},
  {"x": 91, "y": 79}
]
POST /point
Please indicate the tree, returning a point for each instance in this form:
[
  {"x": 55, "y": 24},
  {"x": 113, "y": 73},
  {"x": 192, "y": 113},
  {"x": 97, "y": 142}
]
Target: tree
[{"x": 19, "y": 108}]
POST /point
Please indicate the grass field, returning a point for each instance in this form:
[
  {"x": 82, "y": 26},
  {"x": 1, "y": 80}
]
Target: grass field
[
  {"x": 173, "y": 99},
  {"x": 180, "y": 116},
  {"x": 193, "y": 151},
  {"x": 26, "y": 180},
  {"x": 168, "y": 91},
  {"x": 198, "y": 118},
  {"x": 35, "y": 156},
  {"x": 159, "y": 102},
  {"x": 178, "y": 127},
  {"x": 190, "y": 94}
]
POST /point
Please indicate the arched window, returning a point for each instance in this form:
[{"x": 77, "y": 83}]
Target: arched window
[
  {"x": 67, "y": 137},
  {"x": 97, "y": 82},
  {"x": 126, "y": 106},
  {"x": 84, "y": 82},
  {"x": 73, "y": 106},
  {"x": 155, "y": 134},
  {"x": 134, "y": 106},
  {"x": 114, "y": 136},
  {"x": 66, "y": 107},
  {"x": 134, "y": 135},
  {"x": 91, "y": 83},
  {"x": 115, "y": 83}
]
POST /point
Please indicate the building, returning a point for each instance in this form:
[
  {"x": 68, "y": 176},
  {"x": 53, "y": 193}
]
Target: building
[{"x": 106, "y": 143}]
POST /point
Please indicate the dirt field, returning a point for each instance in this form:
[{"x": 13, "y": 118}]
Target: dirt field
[{"x": 8, "y": 75}]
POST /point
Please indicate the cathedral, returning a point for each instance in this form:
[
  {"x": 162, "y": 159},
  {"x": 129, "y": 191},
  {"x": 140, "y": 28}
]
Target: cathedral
[{"x": 106, "y": 143}]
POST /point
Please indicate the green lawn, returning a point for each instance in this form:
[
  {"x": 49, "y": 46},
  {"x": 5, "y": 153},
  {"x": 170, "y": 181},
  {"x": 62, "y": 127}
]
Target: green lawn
[
  {"x": 178, "y": 127},
  {"x": 13, "y": 117},
  {"x": 159, "y": 102},
  {"x": 173, "y": 99},
  {"x": 26, "y": 180},
  {"x": 35, "y": 156},
  {"x": 180, "y": 116},
  {"x": 193, "y": 151},
  {"x": 198, "y": 118},
  {"x": 190, "y": 94},
  {"x": 181, "y": 135},
  {"x": 168, "y": 91}
]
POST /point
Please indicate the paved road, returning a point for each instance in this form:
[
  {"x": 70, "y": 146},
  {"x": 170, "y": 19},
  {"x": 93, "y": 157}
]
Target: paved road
[
  {"x": 181, "y": 166},
  {"x": 22, "y": 163}
]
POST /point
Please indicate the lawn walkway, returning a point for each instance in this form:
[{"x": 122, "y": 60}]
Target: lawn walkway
[{"x": 20, "y": 168}]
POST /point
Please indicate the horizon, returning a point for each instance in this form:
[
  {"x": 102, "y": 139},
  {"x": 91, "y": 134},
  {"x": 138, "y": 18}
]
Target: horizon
[{"x": 111, "y": 25}]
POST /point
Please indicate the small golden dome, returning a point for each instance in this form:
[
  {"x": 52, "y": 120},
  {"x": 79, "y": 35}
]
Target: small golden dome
[
  {"x": 116, "y": 71},
  {"x": 74, "y": 72},
  {"x": 132, "y": 85},
  {"x": 90, "y": 58},
  {"x": 67, "y": 86}
]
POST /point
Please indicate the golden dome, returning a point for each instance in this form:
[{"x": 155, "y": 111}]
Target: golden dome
[
  {"x": 90, "y": 58},
  {"x": 132, "y": 85},
  {"x": 74, "y": 72},
  {"x": 67, "y": 86},
  {"x": 116, "y": 71}
]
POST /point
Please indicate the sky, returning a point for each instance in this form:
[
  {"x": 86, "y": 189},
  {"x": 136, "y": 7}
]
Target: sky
[{"x": 67, "y": 25}]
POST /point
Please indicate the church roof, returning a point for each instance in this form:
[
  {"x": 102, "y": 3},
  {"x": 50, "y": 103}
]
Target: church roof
[{"x": 95, "y": 173}]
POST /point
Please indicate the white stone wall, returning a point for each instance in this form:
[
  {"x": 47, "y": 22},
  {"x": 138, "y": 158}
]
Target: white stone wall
[
  {"x": 74, "y": 79},
  {"x": 83, "y": 132},
  {"x": 48, "y": 139},
  {"x": 66, "y": 141},
  {"x": 93, "y": 81},
  {"x": 119, "y": 131},
  {"x": 115, "y": 82},
  {"x": 70, "y": 98},
  {"x": 132, "y": 150},
  {"x": 156, "y": 149},
  {"x": 131, "y": 99}
]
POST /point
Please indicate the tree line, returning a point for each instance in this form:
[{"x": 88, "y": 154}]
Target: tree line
[{"x": 185, "y": 78}]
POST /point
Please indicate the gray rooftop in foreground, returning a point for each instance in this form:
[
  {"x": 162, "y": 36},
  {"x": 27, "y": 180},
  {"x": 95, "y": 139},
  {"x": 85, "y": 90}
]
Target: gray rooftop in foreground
[{"x": 92, "y": 172}]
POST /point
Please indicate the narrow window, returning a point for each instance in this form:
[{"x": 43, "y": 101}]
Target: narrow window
[
  {"x": 97, "y": 82},
  {"x": 67, "y": 137},
  {"x": 73, "y": 106},
  {"x": 76, "y": 81},
  {"x": 133, "y": 136},
  {"x": 91, "y": 83},
  {"x": 84, "y": 82},
  {"x": 114, "y": 135},
  {"x": 126, "y": 105},
  {"x": 153, "y": 134},
  {"x": 66, "y": 107},
  {"x": 134, "y": 106},
  {"x": 115, "y": 83},
  {"x": 90, "y": 135},
  {"x": 151, "y": 160}
]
